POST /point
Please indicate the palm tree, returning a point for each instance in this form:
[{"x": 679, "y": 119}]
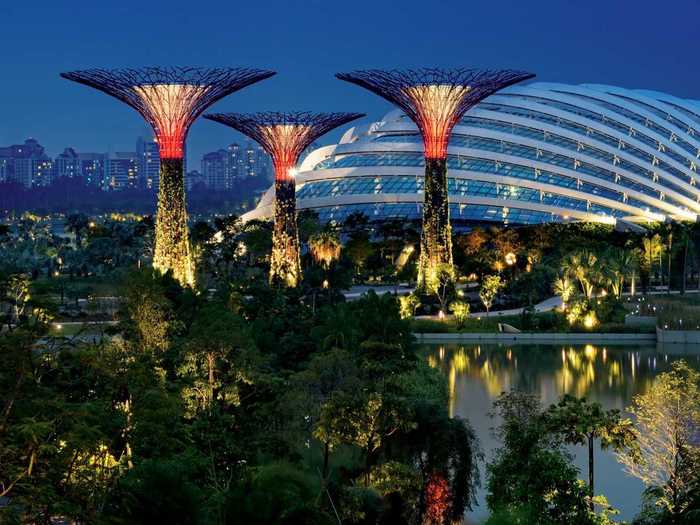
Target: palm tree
[
  {"x": 77, "y": 223},
  {"x": 651, "y": 250},
  {"x": 564, "y": 288},
  {"x": 618, "y": 264},
  {"x": 685, "y": 242},
  {"x": 325, "y": 248},
  {"x": 583, "y": 267}
]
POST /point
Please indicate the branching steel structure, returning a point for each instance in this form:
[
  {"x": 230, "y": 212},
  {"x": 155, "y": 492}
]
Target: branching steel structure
[
  {"x": 435, "y": 99},
  {"x": 284, "y": 136},
  {"x": 170, "y": 100}
]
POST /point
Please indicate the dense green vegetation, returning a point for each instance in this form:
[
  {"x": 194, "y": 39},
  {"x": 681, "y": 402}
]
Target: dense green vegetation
[
  {"x": 236, "y": 402},
  {"x": 544, "y": 322},
  {"x": 222, "y": 410}
]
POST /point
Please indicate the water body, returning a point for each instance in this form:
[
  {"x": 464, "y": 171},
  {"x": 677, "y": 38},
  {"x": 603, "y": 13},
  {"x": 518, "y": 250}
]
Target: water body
[{"x": 610, "y": 375}]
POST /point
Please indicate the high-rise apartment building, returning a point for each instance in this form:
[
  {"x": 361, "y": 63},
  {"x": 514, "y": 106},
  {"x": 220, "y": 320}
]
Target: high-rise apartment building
[
  {"x": 234, "y": 167},
  {"x": 26, "y": 164},
  {"x": 215, "y": 170},
  {"x": 93, "y": 168},
  {"x": 221, "y": 169},
  {"x": 193, "y": 179},
  {"x": 122, "y": 170},
  {"x": 67, "y": 165},
  {"x": 148, "y": 155}
]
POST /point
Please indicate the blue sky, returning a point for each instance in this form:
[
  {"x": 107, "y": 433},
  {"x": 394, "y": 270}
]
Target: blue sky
[{"x": 629, "y": 43}]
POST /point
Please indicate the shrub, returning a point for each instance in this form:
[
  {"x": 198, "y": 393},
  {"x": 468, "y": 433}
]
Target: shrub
[
  {"x": 428, "y": 326},
  {"x": 610, "y": 310},
  {"x": 408, "y": 304},
  {"x": 460, "y": 310}
]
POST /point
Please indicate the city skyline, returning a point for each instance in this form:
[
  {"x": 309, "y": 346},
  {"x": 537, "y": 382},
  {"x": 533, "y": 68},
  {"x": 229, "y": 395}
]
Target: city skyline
[
  {"x": 593, "y": 43},
  {"x": 29, "y": 164}
]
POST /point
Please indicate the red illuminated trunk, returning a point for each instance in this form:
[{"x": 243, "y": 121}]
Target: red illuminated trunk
[{"x": 172, "y": 147}]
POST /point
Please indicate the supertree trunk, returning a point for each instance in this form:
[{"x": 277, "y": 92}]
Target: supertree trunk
[
  {"x": 436, "y": 235},
  {"x": 285, "y": 261},
  {"x": 172, "y": 247}
]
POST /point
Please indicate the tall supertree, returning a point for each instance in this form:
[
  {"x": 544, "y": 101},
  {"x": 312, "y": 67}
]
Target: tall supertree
[
  {"x": 170, "y": 100},
  {"x": 435, "y": 99},
  {"x": 284, "y": 136}
]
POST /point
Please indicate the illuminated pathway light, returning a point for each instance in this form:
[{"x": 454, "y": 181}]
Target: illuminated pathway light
[
  {"x": 435, "y": 99},
  {"x": 284, "y": 136},
  {"x": 170, "y": 100}
]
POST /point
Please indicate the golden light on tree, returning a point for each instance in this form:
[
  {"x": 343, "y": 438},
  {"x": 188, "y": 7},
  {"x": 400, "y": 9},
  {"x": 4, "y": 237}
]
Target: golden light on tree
[
  {"x": 325, "y": 248},
  {"x": 667, "y": 419}
]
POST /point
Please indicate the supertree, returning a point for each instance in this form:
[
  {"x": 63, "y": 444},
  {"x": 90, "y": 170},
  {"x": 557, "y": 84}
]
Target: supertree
[
  {"x": 170, "y": 100},
  {"x": 284, "y": 136},
  {"x": 435, "y": 99}
]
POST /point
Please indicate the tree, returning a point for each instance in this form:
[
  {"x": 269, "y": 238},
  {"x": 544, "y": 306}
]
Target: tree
[
  {"x": 337, "y": 328},
  {"x": 491, "y": 285},
  {"x": 440, "y": 283},
  {"x": 441, "y": 446},
  {"x": 18, "y": 295},
  {"x": 684, "y": 241},
  {"x": 583, "y": 266},
  {"x": 161, "y": 492},
  {"x": 359, "y": 249},
  {"x": 408, "y": 304},
  {"x": 618, "y": 264},
  {"x": 213, "y": 358},
  {"x": 531, "y": 476},
  {"x": 325, "y": 248},
  {"x": 581, "y": 422},
  {"x": 277, "y": 493},
  {"x": 437, "y": 499},
  {"x": 361, "y": 419},
  {"x": 564, "y": 289},
  {"x": 505, "y": 241},
  {"x": 667, "y": 419},
  {"x": 472, "y": 242},
  {"x": 652, "y": 251},
  {"x": 78, "y": 224},
  {"x": 151, "y": 311},
  {"x": 327, "y": 375}
]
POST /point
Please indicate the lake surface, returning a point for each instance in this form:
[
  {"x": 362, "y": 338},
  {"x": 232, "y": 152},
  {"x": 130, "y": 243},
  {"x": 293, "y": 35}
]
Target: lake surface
[{"x": 610, "y": 375}]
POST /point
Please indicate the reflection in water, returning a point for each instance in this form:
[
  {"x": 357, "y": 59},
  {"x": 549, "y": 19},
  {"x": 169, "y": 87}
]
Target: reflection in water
[{"x": 477, "y": 374}]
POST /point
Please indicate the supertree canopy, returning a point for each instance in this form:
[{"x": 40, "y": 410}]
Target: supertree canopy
[
  {"x": 170, "y": 100},
  {"x": 435, "y": 99},
  {"x": 284, "y": 136}
]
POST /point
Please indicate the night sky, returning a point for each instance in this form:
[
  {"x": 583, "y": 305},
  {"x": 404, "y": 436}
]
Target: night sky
[{"x": 628, "y": 43}]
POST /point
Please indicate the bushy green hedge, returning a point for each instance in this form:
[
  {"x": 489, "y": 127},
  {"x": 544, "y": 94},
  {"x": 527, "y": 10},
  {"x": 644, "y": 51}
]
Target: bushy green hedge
[{"x": 542, "y": 322}]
